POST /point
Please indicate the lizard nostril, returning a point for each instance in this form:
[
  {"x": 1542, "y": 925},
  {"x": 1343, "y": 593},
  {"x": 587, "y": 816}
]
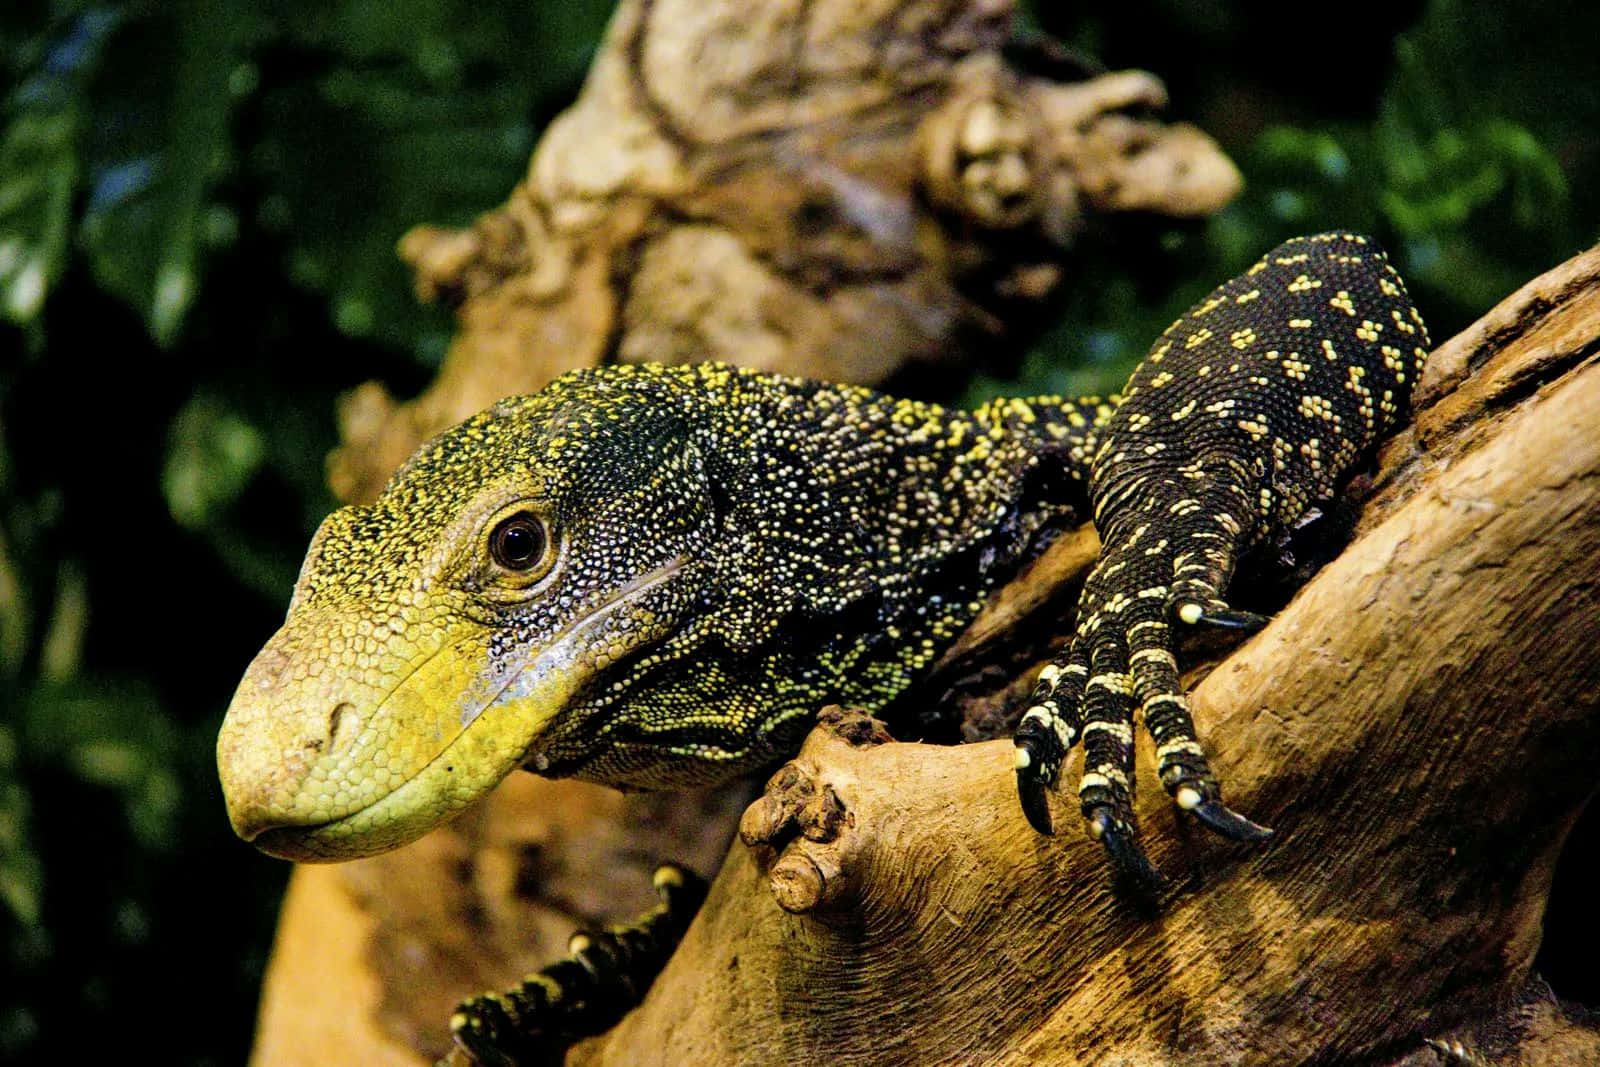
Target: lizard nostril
[{"x": 343, "y": 725}]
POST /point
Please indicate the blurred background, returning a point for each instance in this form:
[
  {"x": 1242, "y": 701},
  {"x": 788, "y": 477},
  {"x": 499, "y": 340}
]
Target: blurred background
[{"x": 199, "y": 204}]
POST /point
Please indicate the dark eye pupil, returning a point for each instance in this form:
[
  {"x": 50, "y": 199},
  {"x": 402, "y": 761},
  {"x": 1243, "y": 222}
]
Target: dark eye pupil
[{"x": 517, "y": 543}]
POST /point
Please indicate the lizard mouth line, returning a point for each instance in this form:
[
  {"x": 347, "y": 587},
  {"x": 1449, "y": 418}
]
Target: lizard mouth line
[
  {"x": 554, "y": 670},
  {"x": 627, "y": 595}
]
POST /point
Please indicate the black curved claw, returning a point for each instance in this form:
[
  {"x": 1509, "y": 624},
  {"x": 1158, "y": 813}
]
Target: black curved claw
[
  {"x": 1228, "y": 619},
  {"x": 1031, "y": 792},
  {"x": 1039, "y": 757},
  {"x": 1220, "y": 819},
  {"x": 1127, "y": 858}
]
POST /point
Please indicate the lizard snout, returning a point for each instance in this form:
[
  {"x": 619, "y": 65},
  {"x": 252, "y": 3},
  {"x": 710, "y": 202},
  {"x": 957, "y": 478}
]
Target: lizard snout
[
  {"x": 280, "y": 729},
  {"x": 335, "y": 742}
]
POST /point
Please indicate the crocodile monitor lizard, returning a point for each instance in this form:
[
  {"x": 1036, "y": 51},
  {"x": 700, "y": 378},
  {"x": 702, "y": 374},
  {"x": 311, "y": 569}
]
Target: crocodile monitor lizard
[{"x": 652, "y": 577}]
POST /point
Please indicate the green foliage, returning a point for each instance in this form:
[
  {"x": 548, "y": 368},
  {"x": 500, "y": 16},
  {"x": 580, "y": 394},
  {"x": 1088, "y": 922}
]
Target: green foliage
[
  {"x": 113, "y": 736},
  {"x": 160, "y": 124},
  {"x": 211, "y": 456},
  {"x": 20, "y": 876},
  {"x": 199, "y": 203},
  {"x": 39, "y": 170},
  {"x": 1473, "y": 157}
]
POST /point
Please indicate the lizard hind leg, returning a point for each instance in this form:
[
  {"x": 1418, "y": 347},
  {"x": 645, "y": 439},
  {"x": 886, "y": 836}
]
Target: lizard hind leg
[{"x": 606, "y": 974}]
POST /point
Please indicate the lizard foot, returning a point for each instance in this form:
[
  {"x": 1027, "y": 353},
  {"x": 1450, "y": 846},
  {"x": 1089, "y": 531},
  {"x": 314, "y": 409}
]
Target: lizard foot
[
  {"x": 1048, "y": 730},
  {"x": 1121, "y": 660},
  {"x": 606, "y": 974}
]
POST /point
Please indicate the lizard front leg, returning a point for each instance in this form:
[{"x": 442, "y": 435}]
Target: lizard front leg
[
  {"x": 606, "y": 974},
  {"x": 1254, "y": 405}
]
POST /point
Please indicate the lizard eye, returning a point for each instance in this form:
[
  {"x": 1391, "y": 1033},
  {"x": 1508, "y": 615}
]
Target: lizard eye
[{"x": 518, "y": 543}]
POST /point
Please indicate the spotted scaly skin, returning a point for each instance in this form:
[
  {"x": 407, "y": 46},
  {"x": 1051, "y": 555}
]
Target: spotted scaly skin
[
  {"x": 1248, "y": 409},
  {"x": 652, "y": 577},
  {"x": 721, "y": 553}
]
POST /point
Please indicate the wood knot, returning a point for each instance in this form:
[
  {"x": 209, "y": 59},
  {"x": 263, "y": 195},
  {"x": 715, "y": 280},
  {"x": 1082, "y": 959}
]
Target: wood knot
[
  {"x": 980, "y": 155},
  {"x": 855, "y": 727},
  {"x": 800, "y": 828}
]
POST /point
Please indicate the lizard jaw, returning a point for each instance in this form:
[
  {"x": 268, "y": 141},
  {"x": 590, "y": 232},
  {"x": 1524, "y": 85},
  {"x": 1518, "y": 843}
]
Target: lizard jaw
[
  {"x": 465, "y": 767},
  {"x": 495, "y": 711}
]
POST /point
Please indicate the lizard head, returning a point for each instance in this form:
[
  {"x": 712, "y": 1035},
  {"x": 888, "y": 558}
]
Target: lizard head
[{"x": 434, "y": 634}]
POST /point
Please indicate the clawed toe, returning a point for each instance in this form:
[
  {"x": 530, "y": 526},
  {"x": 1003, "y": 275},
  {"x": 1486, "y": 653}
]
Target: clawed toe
[
  {"x": 1127, "y": 858},
  {"x": 1221, "y": 618},
  {"x": 1038, "y": 762},
  {"x": 1222, "y": 820},
  {"x": 1032, "y": 787}
]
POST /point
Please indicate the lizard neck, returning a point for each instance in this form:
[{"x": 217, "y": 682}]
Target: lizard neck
[
  {"x": 858, "y": 536},
  {"x": 837, "y": 495}
]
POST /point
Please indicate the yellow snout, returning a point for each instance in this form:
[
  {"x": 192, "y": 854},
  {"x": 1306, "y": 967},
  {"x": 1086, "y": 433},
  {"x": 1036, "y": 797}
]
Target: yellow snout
[{"x": 321, "y": 760}]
